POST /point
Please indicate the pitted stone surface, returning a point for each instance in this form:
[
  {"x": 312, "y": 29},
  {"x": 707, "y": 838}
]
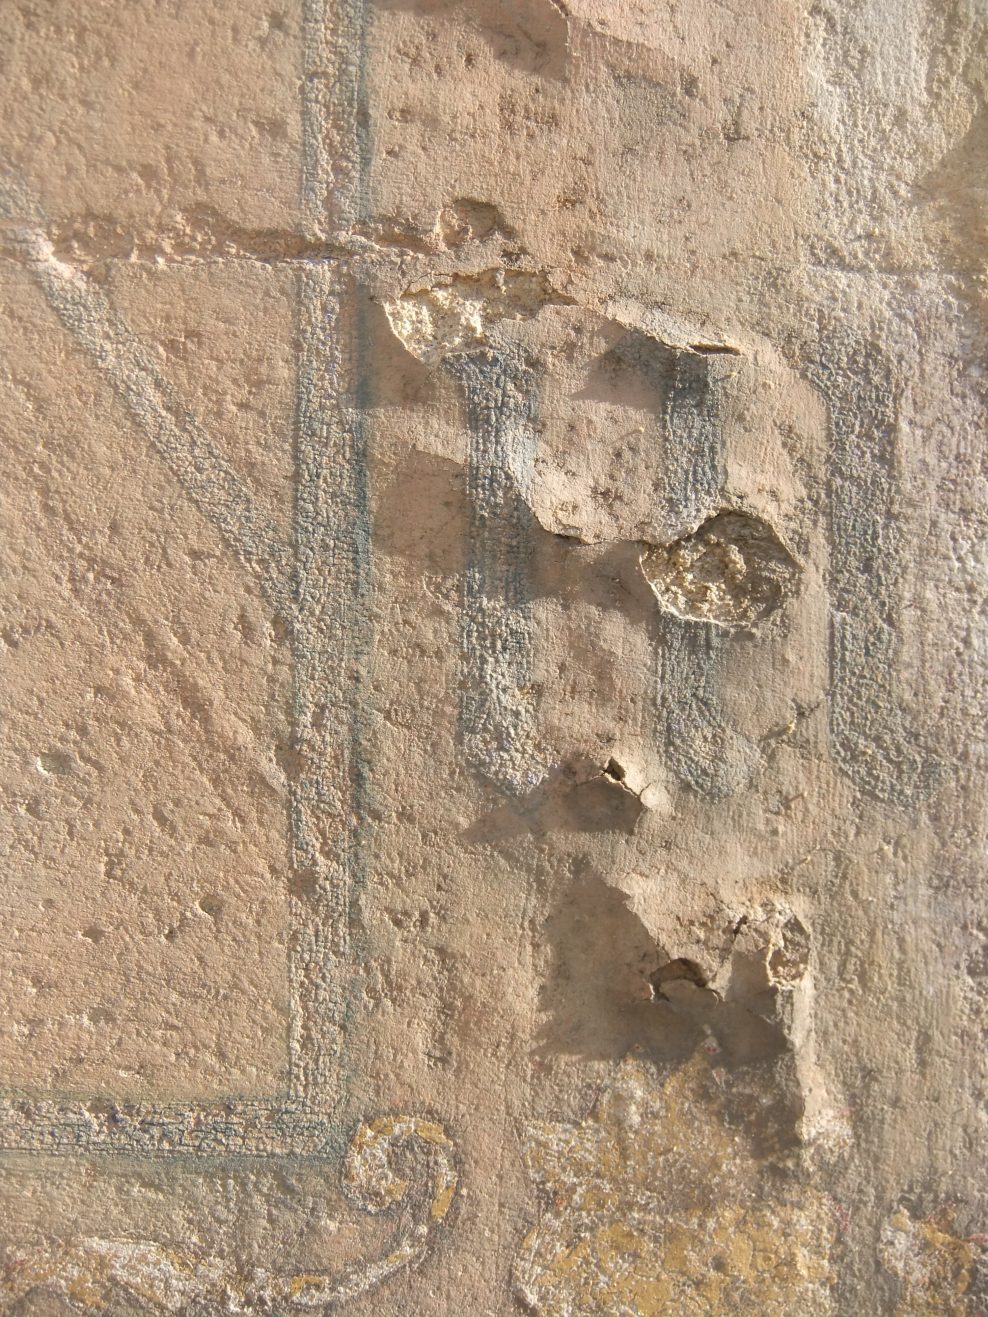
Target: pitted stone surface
[{"x": 492, "y": 657}]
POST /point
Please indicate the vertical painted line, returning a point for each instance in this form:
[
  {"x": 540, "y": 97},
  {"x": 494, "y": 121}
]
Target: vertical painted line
[
  {"x": 869, "y": 739},
  {"x": 331, "y": 597},
  {"x": 695, "y": 470},
  {"x": 496, "y": 707},
  {"x": 704, "y": 751},
  {"x": 335, "y": 113},
  {"x": 330, "y": 633}
]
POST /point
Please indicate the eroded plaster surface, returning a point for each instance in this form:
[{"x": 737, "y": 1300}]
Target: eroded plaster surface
[{"x": 492, "y": 634}]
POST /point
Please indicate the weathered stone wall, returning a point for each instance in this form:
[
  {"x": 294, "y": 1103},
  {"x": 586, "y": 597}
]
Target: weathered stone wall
[{"x": 493, "y": 647}]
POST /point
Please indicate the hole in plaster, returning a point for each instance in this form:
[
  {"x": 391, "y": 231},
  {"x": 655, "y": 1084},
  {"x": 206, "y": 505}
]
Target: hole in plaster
[
  {"x": 676, "y": 971},
  {"x": 456, "y": 313},
  {"x": 789, "y": 960},
  {"x": 733, "y": 571}
]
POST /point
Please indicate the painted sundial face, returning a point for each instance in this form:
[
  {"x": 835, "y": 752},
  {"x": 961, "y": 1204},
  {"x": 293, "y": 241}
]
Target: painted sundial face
[{"x": 471, "y": 457}]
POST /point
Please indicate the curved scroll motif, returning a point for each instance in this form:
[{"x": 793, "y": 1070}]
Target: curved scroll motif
[{"x": 93, "y": 1274}]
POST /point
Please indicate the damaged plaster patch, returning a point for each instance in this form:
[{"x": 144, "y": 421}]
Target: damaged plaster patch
[
  {"x": 458, "y": 311},
  {"x": 453, "y": 324},
  {"x": 754, "y": 996},
  {"x": 679, "y": 970},
  {"x": 765, "y": 968},
  {"x": 394, "y": 1160},
  {"x": 632, "y": 780},
  {"x": 733, "y": 571},
  {"x": 497, "y": 705},
  {"x": 936, "y": 1267},
  {"x": 658, "y": 1202}
]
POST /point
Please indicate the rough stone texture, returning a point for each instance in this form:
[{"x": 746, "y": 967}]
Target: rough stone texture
[{"x": 493, "y": 649}]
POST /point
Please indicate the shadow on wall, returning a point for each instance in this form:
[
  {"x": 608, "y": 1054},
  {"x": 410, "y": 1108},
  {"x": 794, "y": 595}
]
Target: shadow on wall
[
  {"x": 609, "y": 992},
  {"x": 579, "y": 798},
  {"x": 422, "y": 515}
]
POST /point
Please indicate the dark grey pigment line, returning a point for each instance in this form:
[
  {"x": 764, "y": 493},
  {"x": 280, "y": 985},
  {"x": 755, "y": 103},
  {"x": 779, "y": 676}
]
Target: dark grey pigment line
[
  {"x": 869, "y": 738},
  {"x": 224, "y": 501},
  {"x": 331, "y": 630},
  {"x": 329, "y": 646},
  {"x": 496, "y": 713},
  {"x": 704, "y": 751},
  {"x": 323, "y": 594},
  {"x": 235, "y": 1126},
  {"x": 319, "y": 586},
  {"x": 336, "y": 126}
]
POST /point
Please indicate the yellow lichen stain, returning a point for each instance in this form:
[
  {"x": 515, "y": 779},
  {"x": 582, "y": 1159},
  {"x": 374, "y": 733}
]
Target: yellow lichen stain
[
  {"x": 431, "y": 1133},
  {"x": 89, "y": 1291},
  {"x": 306, "y": 1281},
  {"x": 933, "y": 1264},
  {"x": 368, "y": 1169},
  {"x": 88, "y": 1273},
  {"x": 400, "y": 1256},
  {"x": 659, "y": 1204},
  {"x": 442, "y": 1202},
  {"x": 82, "y": 1292}
]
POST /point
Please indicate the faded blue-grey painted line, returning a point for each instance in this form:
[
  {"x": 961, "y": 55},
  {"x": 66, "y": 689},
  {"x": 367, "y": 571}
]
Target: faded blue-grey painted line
[
  {"x": 318, "y": 584},
  {"x": 336, "y": 146},
  {"x": 869, "y": 738},
  {"x": 496, "y": 707},
  {"x": 233, "y": 1127},
  {"x": 225, "y": 502},
  {"x": 213, "y": 487},
  {"x": 704, "y": 751},
  {"x": 331, "y": 630},
  {"x": 329, "y": 649}
]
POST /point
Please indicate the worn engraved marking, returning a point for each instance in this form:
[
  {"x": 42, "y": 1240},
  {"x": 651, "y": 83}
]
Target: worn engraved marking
[
  {"x": 456, "y": 323},
  {"x": 335, "y": 121},
  {"x": 318, "y": 585},
  {"x": 333, "y": 558},
  {"x": 92, "y": 1274},
  {"x": 318, "y": 581},
  {"x": 869, "y": 737},
  {"x": 245, "y": 1127},
  {"x": 329, "y": 635},
  {"x": 705, "y": 751}
]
